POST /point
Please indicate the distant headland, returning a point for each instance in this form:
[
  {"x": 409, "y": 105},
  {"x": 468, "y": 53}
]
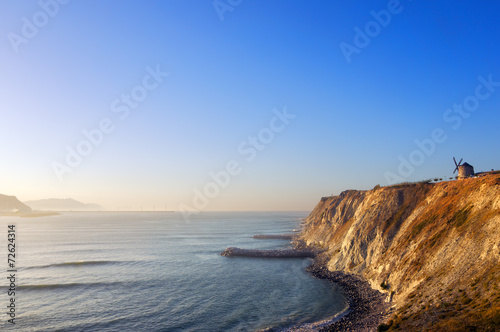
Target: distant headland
[{"x": 10, "y": 206}]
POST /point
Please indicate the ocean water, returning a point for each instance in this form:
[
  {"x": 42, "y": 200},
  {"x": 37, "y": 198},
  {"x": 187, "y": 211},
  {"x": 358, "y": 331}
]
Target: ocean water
[{"x": 156, "y": 272}]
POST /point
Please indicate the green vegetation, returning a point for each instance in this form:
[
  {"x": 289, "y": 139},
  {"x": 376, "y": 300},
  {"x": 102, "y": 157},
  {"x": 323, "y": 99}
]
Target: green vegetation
[
  {"x": 418, "y": 228},
  {"x": 461, "y": 216},
  {"x": 409, "y": 184},
  {"x": 436, "y": 238}
]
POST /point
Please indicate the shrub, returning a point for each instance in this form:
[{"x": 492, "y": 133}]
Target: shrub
[
  {"x": 384, "y": 327},
  {"x": 466, "y": 300}
]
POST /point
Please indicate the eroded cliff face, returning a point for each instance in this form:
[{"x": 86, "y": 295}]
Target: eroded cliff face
[{"x": 433, "y": 248}]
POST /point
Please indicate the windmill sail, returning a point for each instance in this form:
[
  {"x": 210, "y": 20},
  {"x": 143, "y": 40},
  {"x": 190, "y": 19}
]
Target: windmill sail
[{"x": 457, "y": 165}]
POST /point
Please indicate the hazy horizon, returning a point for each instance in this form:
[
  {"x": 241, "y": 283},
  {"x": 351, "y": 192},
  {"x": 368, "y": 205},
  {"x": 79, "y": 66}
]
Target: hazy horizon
[{"x": 242, "y": 105}]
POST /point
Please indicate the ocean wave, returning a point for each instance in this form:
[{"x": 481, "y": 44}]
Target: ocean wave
[
  {"x": 70, "y": 264},
  {"x": 65, "y": 286}
]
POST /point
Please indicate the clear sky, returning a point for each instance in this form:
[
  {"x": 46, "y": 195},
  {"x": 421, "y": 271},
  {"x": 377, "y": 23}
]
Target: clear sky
[{"x": 281, "y": 102}]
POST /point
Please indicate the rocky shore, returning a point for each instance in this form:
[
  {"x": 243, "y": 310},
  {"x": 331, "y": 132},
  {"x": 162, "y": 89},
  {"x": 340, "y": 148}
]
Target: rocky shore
[
  {"x": 367, "y": 306},
  {"x": 278, "y": 253},
  {"x": 274, "y": 236}
]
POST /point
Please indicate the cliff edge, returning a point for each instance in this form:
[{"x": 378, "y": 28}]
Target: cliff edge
[{"x": 433, "y": 249}]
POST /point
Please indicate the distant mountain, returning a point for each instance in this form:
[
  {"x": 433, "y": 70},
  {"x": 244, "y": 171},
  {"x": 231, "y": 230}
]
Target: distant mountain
[
  {"x": 12, "y": 204},
  {"x": 59, "y": 204}
]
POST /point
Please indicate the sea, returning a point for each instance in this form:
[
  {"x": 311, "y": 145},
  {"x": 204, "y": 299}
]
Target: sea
[{"x": 155, "y": 271}]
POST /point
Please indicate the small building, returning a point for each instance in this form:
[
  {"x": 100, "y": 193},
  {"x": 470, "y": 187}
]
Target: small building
[{"x": 465, "y": 170}]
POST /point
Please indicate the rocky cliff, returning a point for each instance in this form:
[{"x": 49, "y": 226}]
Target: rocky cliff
[{"x": 434, "y": 249}]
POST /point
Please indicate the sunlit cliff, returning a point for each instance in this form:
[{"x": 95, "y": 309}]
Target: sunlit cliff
[{"x": 434, "y": 249}]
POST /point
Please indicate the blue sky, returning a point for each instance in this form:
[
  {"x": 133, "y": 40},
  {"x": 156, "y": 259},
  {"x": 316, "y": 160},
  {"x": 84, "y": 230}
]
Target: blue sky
[{"x": 354, "y": 122}]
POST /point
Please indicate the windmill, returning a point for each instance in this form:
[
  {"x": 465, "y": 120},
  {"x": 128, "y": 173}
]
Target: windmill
[
  {"x": 464, "y": 170},
  {"x": 457, "y": 165}
]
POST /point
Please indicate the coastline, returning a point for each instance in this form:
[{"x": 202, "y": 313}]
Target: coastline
[{"x": 366, "y": 307}]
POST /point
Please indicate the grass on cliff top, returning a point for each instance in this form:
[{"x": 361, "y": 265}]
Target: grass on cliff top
[
  {"x": 489, "y": 175},
  {"x": 409, "y": 184}
]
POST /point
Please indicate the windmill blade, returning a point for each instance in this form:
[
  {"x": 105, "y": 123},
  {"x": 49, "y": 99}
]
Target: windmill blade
[
  {"x": 460, "y": 162},
  {"x": 456, "y": 169},
  {"x": 455, "y": 161}
]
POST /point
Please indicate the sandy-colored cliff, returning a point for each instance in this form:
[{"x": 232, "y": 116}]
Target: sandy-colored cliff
[{"x": 433, "y": 248}]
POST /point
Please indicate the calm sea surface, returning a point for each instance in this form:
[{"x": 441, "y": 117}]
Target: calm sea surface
[{"x": 156, "y": 272}]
